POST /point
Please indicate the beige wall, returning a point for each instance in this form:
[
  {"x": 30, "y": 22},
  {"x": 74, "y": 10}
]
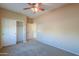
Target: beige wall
[
  {"x": 60, "y": 28},
  {"x": 10, "y": 14},
  {"x": 0, "y": 33},
  {"x": 15, "y": 16},
  {"x": 0, "y": 28}
]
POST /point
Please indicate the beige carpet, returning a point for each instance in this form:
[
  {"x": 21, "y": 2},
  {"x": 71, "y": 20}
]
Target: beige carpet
[{"x": 33, "y": 48}]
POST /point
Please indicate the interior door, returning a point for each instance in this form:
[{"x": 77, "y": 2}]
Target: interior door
[
  {"x": 19, "y": 31},
  {"x": 8, "y": 32}
]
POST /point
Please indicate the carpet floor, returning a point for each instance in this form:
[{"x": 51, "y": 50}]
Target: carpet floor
[{"x": 33, "y": 48}]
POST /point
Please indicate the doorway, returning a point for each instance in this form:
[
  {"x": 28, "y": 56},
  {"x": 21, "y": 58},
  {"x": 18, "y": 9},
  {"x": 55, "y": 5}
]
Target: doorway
[
  {"x": 19, "y": 32},
  {"x": 31, "y": 31}
]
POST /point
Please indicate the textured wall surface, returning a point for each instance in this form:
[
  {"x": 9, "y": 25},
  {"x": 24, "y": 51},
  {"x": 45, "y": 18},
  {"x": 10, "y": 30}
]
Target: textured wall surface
[{"x": 60, "y": 28}]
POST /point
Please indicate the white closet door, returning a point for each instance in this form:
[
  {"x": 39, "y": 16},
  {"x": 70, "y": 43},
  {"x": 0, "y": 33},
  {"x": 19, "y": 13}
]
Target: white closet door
[{"x": 8, "y": 32}]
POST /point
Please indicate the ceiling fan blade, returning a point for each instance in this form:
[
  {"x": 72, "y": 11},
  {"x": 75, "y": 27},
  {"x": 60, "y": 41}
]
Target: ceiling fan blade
[
  {"x": 42, "y": 9},
  {"x": 26, "y": 8},
  {"x": 29, "y": 3},
  {"x": 40, "y": 3}
]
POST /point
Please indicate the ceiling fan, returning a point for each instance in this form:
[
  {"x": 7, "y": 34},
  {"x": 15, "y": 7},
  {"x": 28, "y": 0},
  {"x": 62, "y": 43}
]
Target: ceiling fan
[{"x": 35, "y": 7}]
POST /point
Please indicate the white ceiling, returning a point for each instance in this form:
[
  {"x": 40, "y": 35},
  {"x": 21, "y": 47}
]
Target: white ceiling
[{"x": 18, "y": 7}]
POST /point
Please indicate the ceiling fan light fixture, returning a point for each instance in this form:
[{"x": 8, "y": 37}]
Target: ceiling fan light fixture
[
  {"x": 35, "y": 10},
  {"x": 35, "y": 7}
]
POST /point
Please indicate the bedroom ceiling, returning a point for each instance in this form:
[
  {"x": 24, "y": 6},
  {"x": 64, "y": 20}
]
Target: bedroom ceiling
[{"x": 18, "y": 7}]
